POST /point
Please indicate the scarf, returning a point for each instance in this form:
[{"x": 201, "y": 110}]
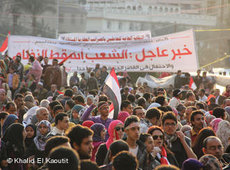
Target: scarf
[
  {"x": 112, "y": 132},
  {"x": 40, "y": 140},
  {"x": 97, "y": 128},
  {"x": 169, "y": 139},
  {"x": 164, "y": 159}
]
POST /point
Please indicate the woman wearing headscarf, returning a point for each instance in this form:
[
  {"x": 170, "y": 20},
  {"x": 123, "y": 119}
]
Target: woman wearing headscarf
[
  {"x": 214, "y": 123},
  {"x": 223, "y": 133},
  {"x": 116, "y": 132},
  {"x": 14, "y": 140},
  {"x": 10, "y": 119},
  {"x": 75, "y": 112},
  {"x": 37, "y": 149},
  {"x": 98, "y": 137},
  {"x": 30, "y": 135},
  {"x": 122, "y": 116}
]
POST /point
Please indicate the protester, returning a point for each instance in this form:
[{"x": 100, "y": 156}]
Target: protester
[
  {"x": 161, "y": 151},
  {"x": 14, "y": 139},
  {"x": 125, "y": 160},
  {"x": 99, "y": 133},
  {"x": 116, "y": 132},
  {"x": 81, "y": 140}
]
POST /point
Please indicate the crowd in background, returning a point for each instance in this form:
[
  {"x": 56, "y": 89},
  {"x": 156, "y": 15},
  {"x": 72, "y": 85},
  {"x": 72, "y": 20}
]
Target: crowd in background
[{"x": 43, "y": 118}]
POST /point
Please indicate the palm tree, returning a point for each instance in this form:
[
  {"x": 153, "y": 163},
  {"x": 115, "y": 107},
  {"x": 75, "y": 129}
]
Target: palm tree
[{"x": 36, "y": 8}]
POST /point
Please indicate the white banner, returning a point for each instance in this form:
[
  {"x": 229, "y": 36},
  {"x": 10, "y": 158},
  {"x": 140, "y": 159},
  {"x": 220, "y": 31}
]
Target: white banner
[
  {"x": 167, "y": 53},
  {"x": 106, "y": 37}
]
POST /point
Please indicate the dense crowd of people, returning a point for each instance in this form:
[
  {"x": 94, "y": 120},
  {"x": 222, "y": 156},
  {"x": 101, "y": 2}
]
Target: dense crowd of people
[{"x": 47, "y": 124}]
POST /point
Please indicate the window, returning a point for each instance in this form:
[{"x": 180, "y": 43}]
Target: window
[
  {"x": 120, "y": 25},
  {"x": 108, "y": 24}
]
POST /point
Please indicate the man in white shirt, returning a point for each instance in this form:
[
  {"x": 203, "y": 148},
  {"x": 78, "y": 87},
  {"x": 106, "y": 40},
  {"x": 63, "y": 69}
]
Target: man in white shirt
[
  {"x": 175, "y": 101},
  {"x": 202, "y": 96}
]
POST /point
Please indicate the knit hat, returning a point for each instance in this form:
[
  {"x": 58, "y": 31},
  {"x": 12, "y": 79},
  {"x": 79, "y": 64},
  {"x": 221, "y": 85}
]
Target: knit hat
[{"x": 191, "y": 164}]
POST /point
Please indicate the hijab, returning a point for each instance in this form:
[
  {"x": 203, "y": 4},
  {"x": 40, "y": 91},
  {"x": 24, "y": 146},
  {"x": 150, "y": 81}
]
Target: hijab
[
  {"x": 112, "y": 132},
  {"x": 29, "y": 141},
  {"x": 122, "y": 116},
  {"x": 9, "y": 120},
  {"x": 76, "y": 108},
  {"x": 97, "y": 128},
  {"x": 13, "y": 138},
  {"x": 40, "y": 140}
]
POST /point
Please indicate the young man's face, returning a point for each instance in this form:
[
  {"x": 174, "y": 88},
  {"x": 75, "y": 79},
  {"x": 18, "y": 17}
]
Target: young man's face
[
  {"x": 133, "y": 131},
  {"x": 64, "y": 123},
  {"x": 86, "y": 148},
  {"x": 19, "y": 101},
  {"x": 169, "y": 126},
  {"x": 140, "y": 113},
  {"x": 128, "y": 109},
  {"x": 198, "y": 122},
  {"x": 104, "y": 110}
]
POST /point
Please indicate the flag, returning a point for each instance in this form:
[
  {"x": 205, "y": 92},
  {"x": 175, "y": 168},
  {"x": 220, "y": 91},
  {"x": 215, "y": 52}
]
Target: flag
[
  {"x": 192, "y": 84},
  {"x": 4, "y": 46},
  {"x": 112, "y": 90}
]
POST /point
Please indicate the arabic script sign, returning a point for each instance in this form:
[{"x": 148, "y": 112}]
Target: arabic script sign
[
  {"x": 167, "y": 53},
  {"x": 106, "y": 37}
]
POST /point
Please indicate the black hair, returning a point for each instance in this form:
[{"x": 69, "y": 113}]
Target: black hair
[
  {"x": 8, "y": 104},
  {"x": 130, "y": 120},
  {"x": 219, "y": 112},
  {"x": 55, "y": 141},
  {"x": 54, "y": 103},
  {"x": 147, "y": 96},
  {"x": 118, "y": 146},
  {"x": 141, "y": 101},
  {"x": 125, "y": 161},
  {"x": 89, "y": 165},
  {"x": 163, "y": 109},
  {"x": 166, "y": 167},
  {"x": 136, "y": 108},
  {"x": 68, "y": 92},
  {"x": 200, "y": 105},
  {"x": 169, "y": 115},
  {"x": 125, "y": 104},
  {"x": 69, "y": 157},
  {"x": 70, "y": 103},
  {"x": 101, "y": 103},
  {"x": 3, "y": 115},
  {"x": 131, "y": 98},
  {"x": 197, "y": 144},
  {"x": 160, "y": 100},
  {"x": 189, "y": 93},
  {"x": 103, "y": 98},
  {"x": 137, "y": 96},
  {"x": 194, "y": 113},
  {"x": 144, "y": 137},
  {"x": 32, "y": 58},
  {"x": 79, "y": 98},
  {"x": 78, "y": 133},
  {"x": 57, "y": 107},
  {"x": 18, "y": 95},
  {"x": 60, "y": 116},
  {"x": 153, "y": 112}
]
